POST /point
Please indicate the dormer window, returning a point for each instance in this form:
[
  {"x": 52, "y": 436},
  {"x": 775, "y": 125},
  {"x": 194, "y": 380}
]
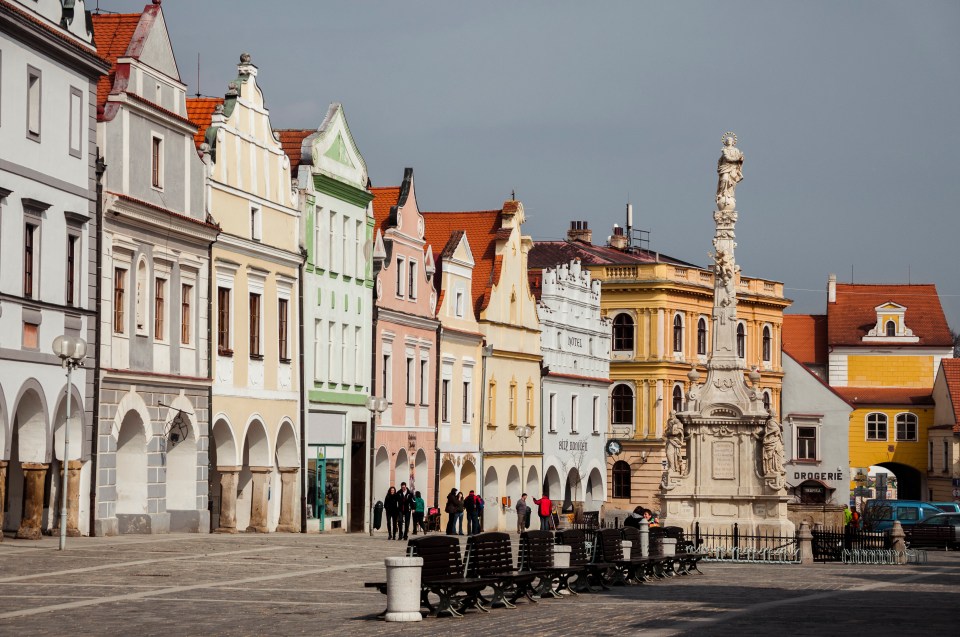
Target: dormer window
[
  {"x": 891, "y": 328},
  {"x": 890, "y": 325}
]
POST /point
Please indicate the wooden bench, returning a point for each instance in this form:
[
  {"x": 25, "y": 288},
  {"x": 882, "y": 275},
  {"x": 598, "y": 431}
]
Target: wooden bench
[
  {"x": 644, "y": 569},
  {"x": 607, "y": 548},
  {"x": 930, "y": 535},
  {"x": 442, "y": 575},
  {"x": 536, "y": 554},
  {"x": 490, "y": 557},
  {"x": 593, "y": 575},
  {"x": 685, "y": 560}
]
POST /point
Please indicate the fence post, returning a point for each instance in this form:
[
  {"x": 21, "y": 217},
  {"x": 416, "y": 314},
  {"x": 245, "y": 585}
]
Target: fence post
[
  {"x": 696, "y": 534},
  {"x": 736, "y": 535},
  {"x": 899, "y": 543},
  {"x": 644, "y": 538},
  {"x": 805, "y": 540}
]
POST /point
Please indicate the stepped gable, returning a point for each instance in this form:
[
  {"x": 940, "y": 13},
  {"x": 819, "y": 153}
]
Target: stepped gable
[
  {"x": 200, "y": 111},
  {"x": 483, "y": 228},
  {"x": 854, "y": 313},
  {"x": 805, "y": 338}
]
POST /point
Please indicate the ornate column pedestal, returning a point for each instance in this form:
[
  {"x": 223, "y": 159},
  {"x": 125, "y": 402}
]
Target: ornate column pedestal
[
  {"x": 229, "y": 477},
  {"x": 34, "y": 475},
  {"x": 288, "y": 489},
  {"x": 258, "y": 500},
  {"x": 3, "y": 493}
]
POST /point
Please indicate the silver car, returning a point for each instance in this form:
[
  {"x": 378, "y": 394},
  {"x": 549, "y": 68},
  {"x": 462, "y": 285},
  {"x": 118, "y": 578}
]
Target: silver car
[{"x": 941, "y": 519}]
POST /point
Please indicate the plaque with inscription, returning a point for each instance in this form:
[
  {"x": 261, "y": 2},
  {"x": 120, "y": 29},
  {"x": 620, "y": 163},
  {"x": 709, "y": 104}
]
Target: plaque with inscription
[{"x": 723, "y": 468}]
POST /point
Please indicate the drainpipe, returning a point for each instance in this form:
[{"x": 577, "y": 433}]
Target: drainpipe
[
  {"x": 211, "y": 352},
  {"x": 372, "y": 426},
  {"x": 485, "y": 352},
  {"x": 437, "y": 397},
  {"x": 101, "y": 167},
  {"x": 303, "y": 398}
]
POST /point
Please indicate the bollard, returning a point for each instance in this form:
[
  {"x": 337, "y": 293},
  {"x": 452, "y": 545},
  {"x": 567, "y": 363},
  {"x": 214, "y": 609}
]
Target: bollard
[
  {"x": 806, "y": 543},
  {"x": 627, "y": 547},
  {"x": 669, "y": 546},
  {"x": 898, "y": 542},
  {"x": 644, "y": 538},
  {"x": 561, "y": 556},
  {"x": 403, "y": 589}
]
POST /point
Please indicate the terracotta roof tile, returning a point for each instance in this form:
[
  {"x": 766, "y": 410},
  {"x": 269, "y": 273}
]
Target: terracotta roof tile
[
  {"x": 112, "y": 33},
  {"x": 805, "y": 338},
  {"x": 951, "y": 371},
  {"x": 200, "y": 112},
  {"x": 384, "y": 198},
  {"x": 853, "y": 315},
  {"x": 885, "y": 395},
  {"x": 481, "y": 228},
  {"x": 49, "y": 27},
  {"x": 292, "y": 141}
]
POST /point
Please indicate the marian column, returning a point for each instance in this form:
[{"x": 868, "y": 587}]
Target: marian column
[{"x": 732, "y": 471}]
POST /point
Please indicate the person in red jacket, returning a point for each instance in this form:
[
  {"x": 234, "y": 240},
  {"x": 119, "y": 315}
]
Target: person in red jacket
[{"x": 545, "y": 511}]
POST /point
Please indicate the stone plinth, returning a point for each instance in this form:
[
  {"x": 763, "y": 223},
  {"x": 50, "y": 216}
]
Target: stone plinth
[
  {"x": 258, "y": 501},
  {"x": 288, "y": 492},
  {"x": 34, "y": 474},
  {"x": 3, "y": 493},
  {"x": 229, "y": 478}
]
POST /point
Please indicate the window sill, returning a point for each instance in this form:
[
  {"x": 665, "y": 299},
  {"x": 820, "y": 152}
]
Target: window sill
[
  {"x": 228, "y": 353},
  {"x": 806, "y": 461},
  {"x": 596, "y": 433},
  {"x": 256, "y": 357},
  {"x": 285, "y": 361}
]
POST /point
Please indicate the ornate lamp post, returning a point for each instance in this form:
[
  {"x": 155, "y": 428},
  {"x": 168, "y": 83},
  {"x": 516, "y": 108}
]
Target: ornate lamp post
[
  {"x": 523, "y": 433},
  {"x": 71, "y": 350},
  {"x": 377, "y": 406}
]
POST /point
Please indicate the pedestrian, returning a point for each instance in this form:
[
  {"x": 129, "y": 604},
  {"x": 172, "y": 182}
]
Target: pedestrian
[
  {"x": 633, "y": 519},
  {"x": 847, "y": 515},
  {"x": 406, "y": 510},
  {"x": 451, "y": 510},
  {"x": 545, "y": 511},
  {"x": 460, "y": 510},
  {"x": 470, "y": 505},
  {"x": 391, "y": 506},
  {"x": 855, "y": 519},
  {"x": 419, "y": 507},
  {"x": 480, "y": 505},
  {"x": 523, "y": 511}
]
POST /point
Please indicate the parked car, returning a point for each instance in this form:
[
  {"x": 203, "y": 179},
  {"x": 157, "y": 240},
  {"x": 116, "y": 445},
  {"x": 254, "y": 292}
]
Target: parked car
[
  {"x": 947, "y": 507},
  {"x": 952, "y": 519},
  {"x": 879, "y": 515}
]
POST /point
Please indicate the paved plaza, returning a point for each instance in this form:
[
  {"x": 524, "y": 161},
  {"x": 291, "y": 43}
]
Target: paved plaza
[{"x": 309, "y": 584}]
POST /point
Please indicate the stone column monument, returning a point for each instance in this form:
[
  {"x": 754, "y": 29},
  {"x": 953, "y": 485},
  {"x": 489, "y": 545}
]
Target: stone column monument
[{"x": 732, "y": 470}]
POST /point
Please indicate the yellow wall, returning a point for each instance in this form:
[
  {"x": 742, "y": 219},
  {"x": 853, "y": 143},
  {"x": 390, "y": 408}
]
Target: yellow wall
[
  {"x": 864, "y": 453},
  {"x": 889, "y": 371}
]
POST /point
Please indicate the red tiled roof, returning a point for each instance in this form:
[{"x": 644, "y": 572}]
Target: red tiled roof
[
  {"x": 951, "y": 373},
  {"x": 482, "y": 228},
  {"x": 112, "y": 33},
  {"x": 853, "y": 315},
  {"x": 172, "y": 213},
  {"x": 547, "y": 254},
  {"x": 200, "y": 112},
  {"x": 885, "y": 395},
  {"x": 48, "y": 27},
  {"x": 384, "y": 198},
  {"x": 292, "y": 140},
  {"x": 805, "y": 338}
]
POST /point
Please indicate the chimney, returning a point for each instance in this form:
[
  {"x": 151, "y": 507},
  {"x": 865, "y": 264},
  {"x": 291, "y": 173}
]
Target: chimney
[
  {"x": 579, "y": 231},
  {"x": 618, "y": 240},
  {"x": 832, "y": 288}
]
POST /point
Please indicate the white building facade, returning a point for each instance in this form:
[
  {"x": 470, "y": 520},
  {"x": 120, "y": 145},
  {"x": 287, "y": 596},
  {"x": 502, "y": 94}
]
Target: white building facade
[
  {"x": 48, "y": 226},
  {"x": 576, "y": 359}
]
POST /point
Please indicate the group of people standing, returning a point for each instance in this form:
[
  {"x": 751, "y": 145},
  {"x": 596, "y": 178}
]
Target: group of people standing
[
  {"x": 459, "y": 506},
  {"x": 399, "y": 507}
]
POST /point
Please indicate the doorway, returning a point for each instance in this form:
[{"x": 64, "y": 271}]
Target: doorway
[{"x": 358, "y": 473}]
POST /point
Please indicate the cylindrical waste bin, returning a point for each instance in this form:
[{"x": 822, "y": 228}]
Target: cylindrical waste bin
[
  {"x": 403, "y": 589},
  {"x": 377, "y": 514}
]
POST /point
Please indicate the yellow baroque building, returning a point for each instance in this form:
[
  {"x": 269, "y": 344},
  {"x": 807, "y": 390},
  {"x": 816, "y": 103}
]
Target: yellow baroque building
[{"x": 661, "y": 308}]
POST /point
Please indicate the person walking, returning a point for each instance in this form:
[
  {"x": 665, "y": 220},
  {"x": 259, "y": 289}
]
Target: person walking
[
  {"x": 523, "y": 510},
  {"x": 545, "y": 511},
  {"x": 419, "y": 507},
  {"x": 391, "y": 506},
  {"x": 451, "y": 510},
  {"x": 470, "y": 505},
  {"x": 460, "y": 509},
  {"x": 406, "y": 510}
]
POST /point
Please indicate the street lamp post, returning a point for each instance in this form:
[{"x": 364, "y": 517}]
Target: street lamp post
[
  {"x": 377, "y": 406},
  {"x": 71, "y": 350},
  {"x": 523, "y": 433}
]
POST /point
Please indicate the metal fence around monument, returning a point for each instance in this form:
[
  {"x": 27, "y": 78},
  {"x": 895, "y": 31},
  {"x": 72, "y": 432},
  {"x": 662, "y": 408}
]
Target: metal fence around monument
[
  {"x": 856, "y": 546},
  {"x": 735, "y": 546}
]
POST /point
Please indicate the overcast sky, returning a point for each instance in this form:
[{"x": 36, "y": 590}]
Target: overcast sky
[{"x": 848, "y": 114}]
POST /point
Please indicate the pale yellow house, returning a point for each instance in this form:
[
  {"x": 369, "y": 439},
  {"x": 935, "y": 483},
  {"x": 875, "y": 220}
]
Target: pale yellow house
[
  {"x": 507, "y": 318},
  {"x": 254, "y": 452}
]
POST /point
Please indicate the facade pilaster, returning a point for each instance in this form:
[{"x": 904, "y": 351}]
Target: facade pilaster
[
  {"x": 229, "y": 477},
  {"x": 258, "y": 508},
  {"x": 288, "y": 492}
]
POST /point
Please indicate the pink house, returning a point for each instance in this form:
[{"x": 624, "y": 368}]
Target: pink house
[{"x": 405, "y": 344}]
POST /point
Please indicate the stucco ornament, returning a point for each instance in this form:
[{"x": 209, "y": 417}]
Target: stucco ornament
[
  {"x": 674, "y": 444},
  {"x": 729, "y": 172},
  {"x": 773, "y": 452}
]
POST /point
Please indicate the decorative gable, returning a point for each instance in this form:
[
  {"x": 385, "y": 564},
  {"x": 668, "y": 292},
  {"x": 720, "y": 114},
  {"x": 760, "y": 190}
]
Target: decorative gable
[{"x": 891, "y": 325}]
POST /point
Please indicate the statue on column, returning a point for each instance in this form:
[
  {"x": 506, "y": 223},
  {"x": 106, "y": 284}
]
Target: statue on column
[
  {"x": 729, "y": 171},
  {"x": 674, "y": 444},
  {"x": 772, "y": 449}
]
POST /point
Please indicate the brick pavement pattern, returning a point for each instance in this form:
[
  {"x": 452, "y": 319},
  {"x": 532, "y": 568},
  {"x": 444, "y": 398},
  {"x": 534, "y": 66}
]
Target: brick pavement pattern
[{"x": 313, "y": 584}]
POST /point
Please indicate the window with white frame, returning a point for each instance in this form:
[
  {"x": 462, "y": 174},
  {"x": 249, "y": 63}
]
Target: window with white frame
[
  {"x": 466, "y": 416},
  {"x": 76, "y": 122},
  {"x": 596, "y": 414},
  {"x": 156, "y": 161},
  {"x": 411, "y": 380},
  {"x": 34, "y": 96},
  {"x": 283, "y": 325},
  {"x": 255, "y": 331},
  {"x": 120, "y": 299},
  {"x": 876, "y": 426},
  {"x": 702, "y": 337},
  {"x": 445, "y": 400},
  {"x": 552, "y": 420},
  {"x": 159, "y": 308},
  {"x": 424, "y": 381},
  {"x": 621, "y": 412},
  {"x": 360, "y": 266},
  {"x": 574, "y": 405},
  {"x": 386, "y": 377},
  {"x": 529, "y": 405},
  {"x": 256, "y": 223},
  {"x": 332, "y": 240},
  {"x": 319, "y": 353},
  {"x": 186, "y": 313},
  {"x": 345, "y": 374},
  {"x": 31, "y": 259},
  {"x": 767, "y": 344},
  {"x": 412, "y": 287},
  {"x": 333, "y": 352},
  {"x": 224, "y": 343},
  {"x": 741, "y": 341},
  {"x": 677, "y": 333},
  {"x": 458, "y": 305},
  {"x": 623, "y": 331},
  {"x": 358, "y": 356},
  {"x": 512, "y": 404},
  {"x": 401, "y": 277},
  {"x": 320, "y": 251},
  {"x": 143, "y": 284},
  {"x": 907, "y": 427},
  {"x": 806, "y": 442}
]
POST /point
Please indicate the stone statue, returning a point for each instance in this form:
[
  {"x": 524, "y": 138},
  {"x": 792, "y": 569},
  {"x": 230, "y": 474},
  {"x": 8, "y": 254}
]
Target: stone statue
[
  {"x": 729, "y": 171},
  {"x": 674, "y": 444},
  {"x": 772, "y": 449}
]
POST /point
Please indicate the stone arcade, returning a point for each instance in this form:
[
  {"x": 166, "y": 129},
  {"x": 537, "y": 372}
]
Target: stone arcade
[{"x": 732, "y": 471}]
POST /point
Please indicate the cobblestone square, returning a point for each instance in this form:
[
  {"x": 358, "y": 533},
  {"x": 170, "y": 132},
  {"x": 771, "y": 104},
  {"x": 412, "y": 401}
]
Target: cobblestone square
[{"x": 313, "y": 584}]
